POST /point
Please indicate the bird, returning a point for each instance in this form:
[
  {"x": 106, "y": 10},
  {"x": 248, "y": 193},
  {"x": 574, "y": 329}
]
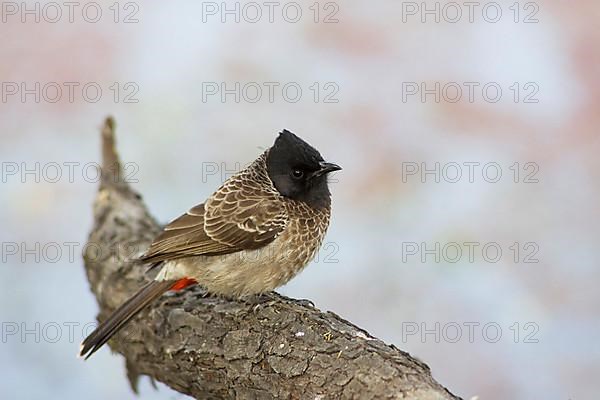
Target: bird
[{"x": 257, "y": 231}]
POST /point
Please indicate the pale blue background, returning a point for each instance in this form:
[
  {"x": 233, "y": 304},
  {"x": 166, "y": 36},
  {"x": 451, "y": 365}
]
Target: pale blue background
[{"x": 173, "y": 137}]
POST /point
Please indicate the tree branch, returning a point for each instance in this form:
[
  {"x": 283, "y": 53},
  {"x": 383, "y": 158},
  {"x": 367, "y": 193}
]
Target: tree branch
[{"x": 208, "y": 347}]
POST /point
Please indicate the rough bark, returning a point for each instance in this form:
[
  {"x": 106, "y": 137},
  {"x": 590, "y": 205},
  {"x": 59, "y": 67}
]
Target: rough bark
[{"x": 212, "y": 348}]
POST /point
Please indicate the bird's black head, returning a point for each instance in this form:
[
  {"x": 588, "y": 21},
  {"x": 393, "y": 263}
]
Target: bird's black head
[{"x": 298, "y": 171}]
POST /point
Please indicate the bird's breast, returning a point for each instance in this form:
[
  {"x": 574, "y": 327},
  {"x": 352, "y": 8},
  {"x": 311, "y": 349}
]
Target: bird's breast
[{"x": 260, "y": 270}]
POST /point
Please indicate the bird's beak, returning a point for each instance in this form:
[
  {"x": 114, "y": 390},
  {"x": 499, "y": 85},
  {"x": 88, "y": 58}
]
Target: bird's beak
[{"x": 326, "y": 168}]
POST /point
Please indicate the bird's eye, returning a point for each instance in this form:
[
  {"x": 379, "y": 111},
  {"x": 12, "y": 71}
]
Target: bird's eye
[{"x": 297, "y": 173}]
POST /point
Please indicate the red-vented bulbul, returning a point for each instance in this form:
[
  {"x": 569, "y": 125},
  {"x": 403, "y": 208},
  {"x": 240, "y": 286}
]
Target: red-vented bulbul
[{"x": 254, "y": 234}]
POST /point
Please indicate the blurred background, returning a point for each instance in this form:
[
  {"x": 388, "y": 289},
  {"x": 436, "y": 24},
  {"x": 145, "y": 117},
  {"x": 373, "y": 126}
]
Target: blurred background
[{"x": 464, "y": 223}]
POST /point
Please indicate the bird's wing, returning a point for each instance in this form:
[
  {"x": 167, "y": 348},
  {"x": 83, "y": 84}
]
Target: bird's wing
[
  {"x": 237, "y": 217},
  {"x": 244, "y": 214}
]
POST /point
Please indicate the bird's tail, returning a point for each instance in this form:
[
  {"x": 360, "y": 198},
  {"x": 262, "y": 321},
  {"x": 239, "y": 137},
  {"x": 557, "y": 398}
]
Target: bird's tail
[{"x": 124, "y": 314}]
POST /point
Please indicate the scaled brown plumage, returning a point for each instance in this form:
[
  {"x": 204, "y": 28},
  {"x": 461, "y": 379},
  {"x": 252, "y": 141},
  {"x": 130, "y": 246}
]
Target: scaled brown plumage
[{"x": 245, "y": 213}]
